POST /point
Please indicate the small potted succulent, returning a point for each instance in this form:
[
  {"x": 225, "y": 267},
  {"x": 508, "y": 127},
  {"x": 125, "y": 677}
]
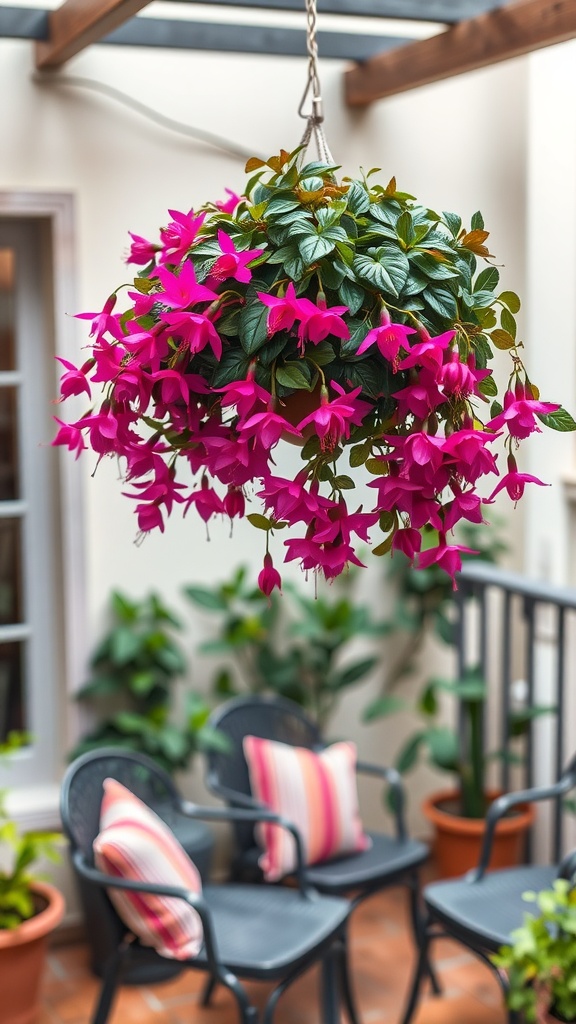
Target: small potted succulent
[
  {"x": 30, "y": 910},
  {"x": 342, "y": 315},
  {"x": 540, "y": 962},
  {"x": 458, "y": 813}
]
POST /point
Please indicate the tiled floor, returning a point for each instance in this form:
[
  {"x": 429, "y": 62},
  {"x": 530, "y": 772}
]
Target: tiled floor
[{"x": 382, "y": 959}]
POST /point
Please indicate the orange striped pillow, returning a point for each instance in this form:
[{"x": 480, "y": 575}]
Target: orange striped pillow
[
  {"x": 135, "y": 843},
  {"x": 315, "y": 791}
]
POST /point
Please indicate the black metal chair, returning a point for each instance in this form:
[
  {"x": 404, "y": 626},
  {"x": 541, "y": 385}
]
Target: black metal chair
[
  {"x": 481, "y": 909},
  {"x": 391, "y": 859},
  {"x": 242, "y": 937}
]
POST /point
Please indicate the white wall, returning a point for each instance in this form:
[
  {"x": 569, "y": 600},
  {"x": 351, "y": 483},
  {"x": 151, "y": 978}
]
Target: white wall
[{"x": 459, "y": 145}]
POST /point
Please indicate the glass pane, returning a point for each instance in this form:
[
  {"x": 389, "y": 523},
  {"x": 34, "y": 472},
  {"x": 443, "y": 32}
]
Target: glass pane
[
  {"x": 7, "y": 346},
  {"x": 12, "y": 715},
  {"x": 9, "y": 468},
  {"x": 10, "y": 572}
]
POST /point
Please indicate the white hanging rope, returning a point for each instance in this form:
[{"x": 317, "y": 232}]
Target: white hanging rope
[{"x": 315, "y": 118}]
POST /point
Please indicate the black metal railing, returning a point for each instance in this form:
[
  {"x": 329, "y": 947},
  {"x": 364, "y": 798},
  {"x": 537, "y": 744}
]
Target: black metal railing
[{"x": 522, "y": 636}]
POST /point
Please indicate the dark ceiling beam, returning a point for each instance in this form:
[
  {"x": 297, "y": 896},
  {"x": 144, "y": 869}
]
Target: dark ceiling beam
[
  {"x": 77, "y": 23},
  {"x": 286, "y": 42},
  {"x": 448, "y": 12},
  {"x": 508, "y": 32},
  {"x": 33, "y": 23}
]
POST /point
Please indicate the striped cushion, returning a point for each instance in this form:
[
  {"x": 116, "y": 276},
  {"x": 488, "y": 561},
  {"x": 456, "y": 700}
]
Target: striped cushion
[
  {"x": 134, "y": 843},
  {"x": 315, "y": 791}
]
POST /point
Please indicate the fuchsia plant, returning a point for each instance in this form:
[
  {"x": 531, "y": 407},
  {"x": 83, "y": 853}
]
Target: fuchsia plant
[{"x": 351, "y": 295}]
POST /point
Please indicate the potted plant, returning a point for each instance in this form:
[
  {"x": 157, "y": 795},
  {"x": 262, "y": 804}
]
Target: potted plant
[
  {"x": 342, "y": 314},
  {"x": 457, "y": 814},
  {"x": 540, "y": 962},
  {"x": 30, "y": 910},
  {"x": 295, "y": 647}
]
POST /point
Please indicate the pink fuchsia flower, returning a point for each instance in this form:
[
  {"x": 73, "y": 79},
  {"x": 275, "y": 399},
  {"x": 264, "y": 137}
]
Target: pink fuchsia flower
[
  {"x": 289, "y": 499},
  {"x": 162, "y": 490},
  {"x": 284, "y": 311},
  {"x": 149, "y": 517},
  {"x": 103, "y": 322},
  {"x": 108, "y": 361},
  {"x": 466, "y": 505},
  {"x": 336, "y": 523},
  {"x": 520, "y": 411},
  {"x": 147, "y": 348},
  {"x": 195, "y": 331},
  {"x": 232, "y": 263},
  {"x": 133, "y": 385},
  {"x": 408, "y": 541},
  {"x": 468, "y": 453},
  {"x": 69, "y": 436},
  {"x": 207, "y": 502},
  {"x": 514, "y": 482},
  {"x": 267, "y": 427},
  {"x": 142, "y": 251},
  {"x": 428, "y": 353},
  {"x": 179, "y": 236},
  {"x": 269, "y": 577},
  {"x": 330, "y": 558},
  {"x": 103, "y": 430},
  {"x": 319, "y": 321},
  {"x": 182, "y": 290},
  {"x": 234, "y": 503},
  {"x": 332, "y": 420},
  {"x": 446, "y": 556},
  {"x": 231, "y": 203},
  {"x": 74, "y": 381},
  {"x": 459, "y": 380},
  {"x": 419, "y": 397},
  {"x": 389, "y": 338},
  {"x": 244, "y": 394}
]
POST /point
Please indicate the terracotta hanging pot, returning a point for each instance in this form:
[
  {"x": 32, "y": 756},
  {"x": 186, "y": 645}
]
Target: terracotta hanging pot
[
  {"x": 294, "y": 408},
  {"x": 23, "y": 955},
  {"x": 458, "y": 840}
]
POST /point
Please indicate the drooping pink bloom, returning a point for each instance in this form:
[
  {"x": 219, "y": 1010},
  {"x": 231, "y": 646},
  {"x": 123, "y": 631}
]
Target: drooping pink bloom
[
  {"x": 232, "y": 263},
  {"x": 244, "y": 394},
  {"x": 108, "y": 360},
  {"x": 428, "y": 353},
  {"x": 74, "y": 381},
  {"x": 234, "y": 503},
  {"x": 133, "y": 385},
  {"x": 389, "y": 338},
  {"x": 182, "y": 290},
  {"x": 419, "y": 397},
  {"x": 161, "y": 490},
  {"x": 103, "y": 322},
  {"x": 445, "y": 556},
  {"x": 142, "y": 251},
  {"x": 319, "y": 321},
  {"x": 172, "y": 386},
  {"x": 514, "y": 482},
  {"x": 333, "y": 419},
  {"x": 466, "y": 505},
  {"x": 459, "y": 380},
  {"x": 332, "y": 559},
  {"x": 231, "y": 203},
  {"x": 519, "y": 413},
  {"x": 336, "y": 523},
  {"x": 103, "y": 430},
  {"x": 269, "y": 577},
  {"x": 69, "y": 436},
  {"x": 179, "y": 236},
  {"x": 284, "y": 311},
  {"x": 466, "y": 450},
  {"x": 268, "y": 427},
  {"x": 207, "y": 502},
  {"x": 408, "y": 541},
  {"x": 195, "y": 330},
  {"x": 290, "y": 499},
  {"x": 149, "y": 517}
]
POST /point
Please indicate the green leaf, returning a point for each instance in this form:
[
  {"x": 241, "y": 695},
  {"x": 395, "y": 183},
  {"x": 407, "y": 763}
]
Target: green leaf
[
  {"x": 443, "y": 744},
  {"x": 313, "y": 247},
  {"x": 502, "y": 339},
  {"x": 124, "y": 645},
  {"x": 358, "y": 199},
  {"x": 292, "y": 376},
  {"x": 352, "y": 295},
  {"x": 233, "y": 366},
  {"x": 210, "y": 599},
  {"x": 511, "y": 300},
  {"x": 386, "y": 705},
  {"x": 408, "y": 755},
  {"x": 260, "y": 522},
  {"x": 488, "y": 387},
  {"x": 387, "y": 270},
  {"x": 252, "y": 326},
  {"x": 343, "y": 483},
  {"x": 359, "y": 453},
  {"x": 477, "y": 221},
  {"x": 487, "y": 280},
  {"x": 508, "y": 322},
  {"x": 351, "y": 673},
  {"x": 435, "y": 269},
  {"x": 559, "y": 420}
]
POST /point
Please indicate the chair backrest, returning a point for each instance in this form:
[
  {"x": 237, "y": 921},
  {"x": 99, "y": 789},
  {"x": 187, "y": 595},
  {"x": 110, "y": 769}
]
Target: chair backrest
[
  {"x": 82, "y": 790},
  {"x": 268, "y": 717}
]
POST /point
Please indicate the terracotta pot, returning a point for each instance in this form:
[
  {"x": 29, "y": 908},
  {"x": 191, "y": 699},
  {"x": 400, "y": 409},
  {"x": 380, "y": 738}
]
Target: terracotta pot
[
  {"x": 458, "y": 840},
  {"x": 22, "y": 958},
  {"x": 294, "y": 408}
]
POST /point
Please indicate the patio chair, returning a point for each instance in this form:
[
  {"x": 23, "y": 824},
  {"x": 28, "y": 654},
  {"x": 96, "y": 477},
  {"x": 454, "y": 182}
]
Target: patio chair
[
  {"x": 390, "y": 860},
  {"x": 241, "y": 934},
  {"x": 481, "y": 909}
]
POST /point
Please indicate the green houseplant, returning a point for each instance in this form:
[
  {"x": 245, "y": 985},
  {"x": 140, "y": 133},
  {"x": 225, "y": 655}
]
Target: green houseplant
[
  {"x": 30, "y": 909},
  {"x": 295, "y": 646},
  {"x": 540, "y": 962},
  {"x": 135, "y": 667}
]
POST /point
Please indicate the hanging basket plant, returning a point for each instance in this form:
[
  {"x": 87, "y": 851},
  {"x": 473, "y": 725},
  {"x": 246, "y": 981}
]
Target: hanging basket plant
[{"x": 341, "y": 315}]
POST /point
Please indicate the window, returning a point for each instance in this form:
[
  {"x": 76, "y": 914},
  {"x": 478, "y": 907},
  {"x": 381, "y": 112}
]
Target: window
[{"x": 30, "y": 535}]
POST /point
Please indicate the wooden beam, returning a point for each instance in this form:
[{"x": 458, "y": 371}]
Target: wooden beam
[
  {"x": 78, "y": 23},
  {"x": 509, "y": 31},
  {"x": 448, "y": 12}
]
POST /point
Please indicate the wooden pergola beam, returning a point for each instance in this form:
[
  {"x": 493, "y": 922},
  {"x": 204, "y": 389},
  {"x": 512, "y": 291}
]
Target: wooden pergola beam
[
  {"x": 78, "y": 23},
  {"x": 507, "y": 32}
]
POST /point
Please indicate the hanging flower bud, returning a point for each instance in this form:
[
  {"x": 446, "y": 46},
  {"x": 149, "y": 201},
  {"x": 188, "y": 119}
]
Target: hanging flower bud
[{"x": 269, "y": 577}]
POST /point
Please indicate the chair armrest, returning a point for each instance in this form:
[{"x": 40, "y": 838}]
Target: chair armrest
[
  {"x": 100, "y": 878},
  {"x": 505, "y": 803},
  {"x": 567, "y": 867},
  {"x": 396, "y": 789},
  {"x": 253, "y": 813}
]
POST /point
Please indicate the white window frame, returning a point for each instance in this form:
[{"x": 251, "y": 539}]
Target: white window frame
[{"x": 33, "y": 776}]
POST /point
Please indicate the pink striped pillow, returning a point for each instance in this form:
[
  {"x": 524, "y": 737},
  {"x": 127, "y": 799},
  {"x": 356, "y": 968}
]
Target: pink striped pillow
[
  {"x": 315, "y": 791},
  {"x": 134, "y": 843}
]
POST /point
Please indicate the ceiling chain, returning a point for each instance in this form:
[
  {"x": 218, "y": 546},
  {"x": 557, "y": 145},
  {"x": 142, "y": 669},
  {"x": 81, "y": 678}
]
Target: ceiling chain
[{"x": 315, "y": 116}]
